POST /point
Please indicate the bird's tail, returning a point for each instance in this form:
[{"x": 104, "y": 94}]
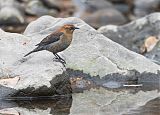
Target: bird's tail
[{"x": 35, "y": 50}]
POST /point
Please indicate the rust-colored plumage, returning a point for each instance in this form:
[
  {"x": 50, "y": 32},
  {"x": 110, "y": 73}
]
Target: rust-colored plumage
[{"x": 56, "y": 41}]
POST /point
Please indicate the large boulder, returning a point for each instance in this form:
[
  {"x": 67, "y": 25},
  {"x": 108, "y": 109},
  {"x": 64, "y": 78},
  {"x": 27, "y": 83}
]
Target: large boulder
[
  {"x": 90, "y": 52},
  {"x": 24, "y": 76},
  {"x": 134, "y": 34}
]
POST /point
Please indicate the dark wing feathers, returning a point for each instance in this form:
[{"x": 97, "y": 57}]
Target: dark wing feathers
[{"x": 50, "y": 38}]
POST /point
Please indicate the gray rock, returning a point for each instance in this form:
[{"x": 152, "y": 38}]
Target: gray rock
[
  {"x": 92, "y": 5},
  {"x": 54, "y": 4},
  {"x": 11, "y": 12},
  {"x": 143, "y": 7},
  {"x": 90, "y": 52},
  {"x": 36, "y": 76},
  {"x": 97, "y": 13},
  {"x": 104, "y": 17},
  {"x": 37, "y": 8},
  {"x": 132, "y": 35}
]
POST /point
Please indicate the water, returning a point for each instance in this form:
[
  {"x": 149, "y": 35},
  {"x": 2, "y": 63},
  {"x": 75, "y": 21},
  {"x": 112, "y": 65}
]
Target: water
[{"x": 93, "y": 96}]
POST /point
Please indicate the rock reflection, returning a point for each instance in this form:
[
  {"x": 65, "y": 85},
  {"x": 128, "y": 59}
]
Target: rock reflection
[
  {"x": 104, "y": 102},
  {"x": 113, "y": 94},
  {"x": 48, "y": 106},
  {"x": 151, "y": 108}
]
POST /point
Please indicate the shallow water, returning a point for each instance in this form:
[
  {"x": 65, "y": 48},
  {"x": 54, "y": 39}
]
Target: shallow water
[
  {"x": 113, "y": 95},
  {"x": 96, "y": 101}
]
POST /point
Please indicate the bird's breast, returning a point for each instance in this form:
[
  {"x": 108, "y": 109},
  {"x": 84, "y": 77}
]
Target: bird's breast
[{"x": 60, "y": 45}]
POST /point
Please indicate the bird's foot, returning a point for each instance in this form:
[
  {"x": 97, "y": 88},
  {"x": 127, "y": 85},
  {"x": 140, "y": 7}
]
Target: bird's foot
[
  {"x": 60, "y": 60},
  {"x": 57, "y": 57}
]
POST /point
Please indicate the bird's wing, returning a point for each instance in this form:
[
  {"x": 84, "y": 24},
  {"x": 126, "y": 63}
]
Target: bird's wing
[{"x": 51, "y": 38}]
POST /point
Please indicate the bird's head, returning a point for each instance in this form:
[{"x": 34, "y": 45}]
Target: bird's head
[{"x": 68, "y": 28}]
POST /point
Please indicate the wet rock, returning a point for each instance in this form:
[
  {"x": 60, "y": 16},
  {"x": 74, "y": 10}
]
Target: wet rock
[
  {"x": 90, "y": 52},
  {"x": 145, "y": 81},
  {"x": 11, "y": 12},
  {"x": 37, "y": 8},
  {"x": 98, "y": 13},
  {"x": 133, "y": 35},
  {"x": 143, "y": 7}
]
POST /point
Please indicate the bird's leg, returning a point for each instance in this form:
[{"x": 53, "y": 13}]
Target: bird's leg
[
  {"x": 60, "y": 59},
  {"x": 56, "y": 57}
]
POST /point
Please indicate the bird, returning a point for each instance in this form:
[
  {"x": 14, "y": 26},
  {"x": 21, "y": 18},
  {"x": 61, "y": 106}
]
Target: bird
[{"x": 56, "y": 41}]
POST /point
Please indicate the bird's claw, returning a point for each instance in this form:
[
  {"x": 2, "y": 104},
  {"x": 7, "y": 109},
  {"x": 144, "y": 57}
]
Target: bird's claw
[
  {"x": 60, "y": 60},
  {"x": 63, "y": 61}
]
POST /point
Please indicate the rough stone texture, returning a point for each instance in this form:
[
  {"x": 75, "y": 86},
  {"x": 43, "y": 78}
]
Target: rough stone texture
[
  {"x": 90, "y": 52},
  {"x": 133, "y": 35}
]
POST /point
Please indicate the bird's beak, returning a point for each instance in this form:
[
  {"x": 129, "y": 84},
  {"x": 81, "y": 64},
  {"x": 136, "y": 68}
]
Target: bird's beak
[{"x": 76, "y": 28}]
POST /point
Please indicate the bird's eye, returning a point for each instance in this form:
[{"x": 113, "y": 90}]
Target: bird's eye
[{"x": 70, "y": 28}]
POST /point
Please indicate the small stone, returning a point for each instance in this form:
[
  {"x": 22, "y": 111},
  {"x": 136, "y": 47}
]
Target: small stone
[{"x": 149, "y": 44}]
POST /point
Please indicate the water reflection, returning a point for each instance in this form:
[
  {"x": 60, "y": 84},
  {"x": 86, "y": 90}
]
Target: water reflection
[
  {"x": 111, "y": 95},
  {"x": 90, "y": 102},
  {"x": 150, "y": 108},
  {"x": 59, "y": 105},
  {"x": 107, "y": 102}
]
